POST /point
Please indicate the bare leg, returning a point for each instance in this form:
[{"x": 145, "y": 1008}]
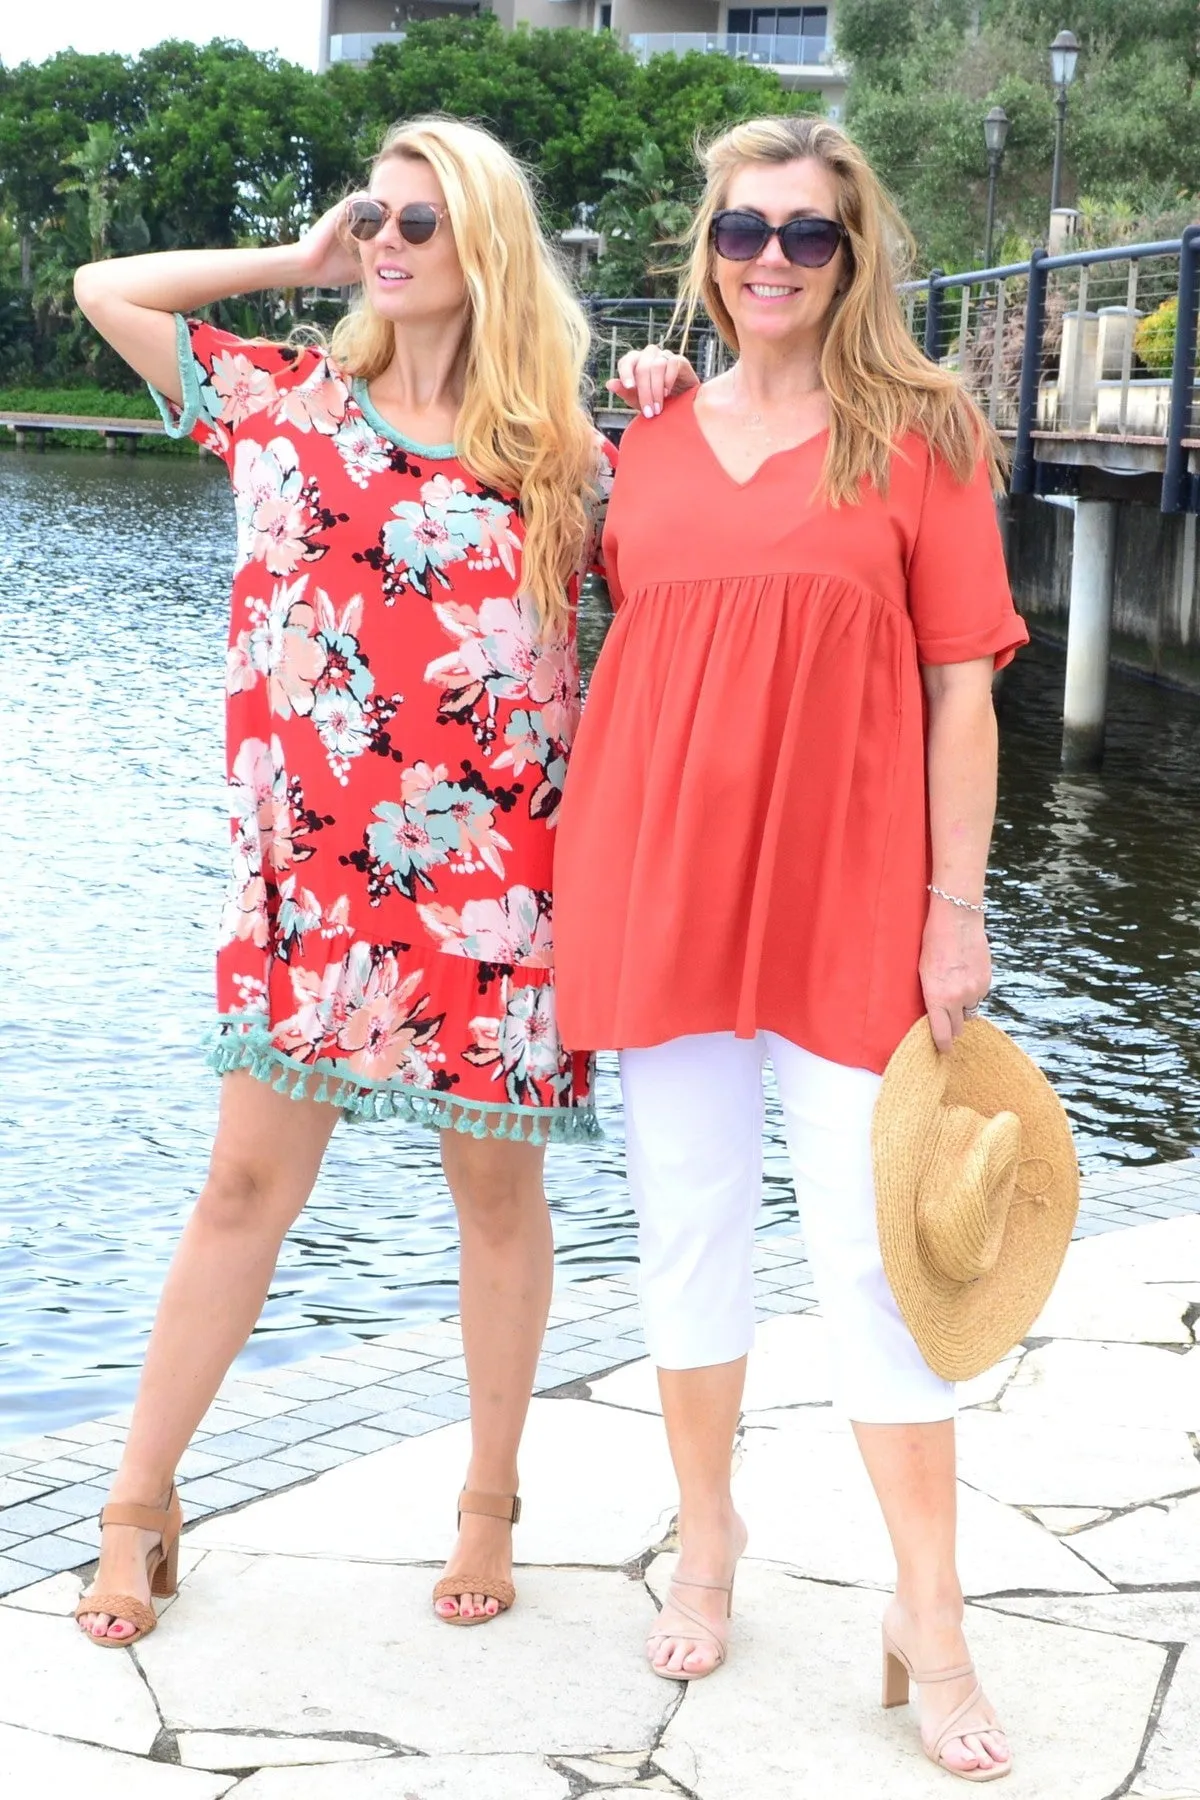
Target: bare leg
[
  {"x": 506, "y": 1274},
  {"x": 913, "y": 1474},
  {"x": 265, "y": 1159},
  {"x": 700, "y": 1409}
]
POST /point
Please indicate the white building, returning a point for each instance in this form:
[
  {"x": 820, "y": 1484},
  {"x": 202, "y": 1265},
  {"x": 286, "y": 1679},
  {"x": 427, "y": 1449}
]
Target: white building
[{"x": 795, "y": 41}]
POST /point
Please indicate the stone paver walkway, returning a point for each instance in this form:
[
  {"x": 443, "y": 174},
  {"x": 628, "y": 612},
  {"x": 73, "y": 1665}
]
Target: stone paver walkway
[{"x": 300, "y": 1660}]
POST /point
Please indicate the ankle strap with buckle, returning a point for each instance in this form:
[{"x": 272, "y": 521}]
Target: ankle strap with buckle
[{"x": 490, "y": 1506}]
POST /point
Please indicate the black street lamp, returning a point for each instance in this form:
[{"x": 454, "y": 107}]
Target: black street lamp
[
  {"x": 1064, "y": 54},
  {"x": 995, "y": 134}
]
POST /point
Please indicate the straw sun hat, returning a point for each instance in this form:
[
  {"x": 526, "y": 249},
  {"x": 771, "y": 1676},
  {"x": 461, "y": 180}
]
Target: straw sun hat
[{"x": 977, "y": 1189}]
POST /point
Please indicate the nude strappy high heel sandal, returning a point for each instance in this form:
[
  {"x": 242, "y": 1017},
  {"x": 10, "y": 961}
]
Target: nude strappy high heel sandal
[
  {"x": 492, "y": 1506},
  {"x": 162, "y": 1568},
  {"x": 898, "y": 1672},
  {"x": 698, "y": 1627}
]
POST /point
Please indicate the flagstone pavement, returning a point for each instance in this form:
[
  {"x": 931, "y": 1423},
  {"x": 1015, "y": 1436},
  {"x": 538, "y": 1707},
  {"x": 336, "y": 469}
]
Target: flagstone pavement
[{"x": 300, "y": 1659}]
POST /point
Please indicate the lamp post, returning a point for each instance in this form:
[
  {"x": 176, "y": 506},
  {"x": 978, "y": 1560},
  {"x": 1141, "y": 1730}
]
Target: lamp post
[
  {"x": 995, "y": 134},
  {"x": 1064, "y": 54}
]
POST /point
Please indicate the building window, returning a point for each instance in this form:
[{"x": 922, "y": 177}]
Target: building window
[
  {"x": 606, "y": 18},
  {"x": 798, "y": 33}
]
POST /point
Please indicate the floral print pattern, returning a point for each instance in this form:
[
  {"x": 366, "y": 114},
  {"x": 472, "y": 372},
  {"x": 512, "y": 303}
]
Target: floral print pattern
[
  {"x": 398, "y": 733},
  {"x": 449, "y": 522}
]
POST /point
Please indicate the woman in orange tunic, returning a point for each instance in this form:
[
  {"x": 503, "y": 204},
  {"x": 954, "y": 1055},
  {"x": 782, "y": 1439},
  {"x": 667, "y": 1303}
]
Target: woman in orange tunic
[{"x": 775, "y": 834}]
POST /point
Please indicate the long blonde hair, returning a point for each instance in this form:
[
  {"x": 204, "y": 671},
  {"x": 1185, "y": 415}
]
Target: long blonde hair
[
  {"x": 879, "y": 384},
  {"x": 521, "y": 428}
]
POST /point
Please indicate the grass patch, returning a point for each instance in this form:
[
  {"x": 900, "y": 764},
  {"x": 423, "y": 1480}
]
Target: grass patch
[{"x": 85, "y": 402}]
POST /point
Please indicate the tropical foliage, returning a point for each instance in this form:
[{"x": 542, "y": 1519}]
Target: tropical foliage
[
  {"x": 642, "y": 218},
  {"x": 924, "y": 73},
  {"x": 189, "y": 145},
  {"x": 217, "y": 145}
]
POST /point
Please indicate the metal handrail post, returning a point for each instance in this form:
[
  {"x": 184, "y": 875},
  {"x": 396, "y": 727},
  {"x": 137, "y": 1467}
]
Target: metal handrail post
[
  {"x": 1021, "y": 481},
  {"x": 1175, "y": 464},
  {"x": 933, "y": 315}
]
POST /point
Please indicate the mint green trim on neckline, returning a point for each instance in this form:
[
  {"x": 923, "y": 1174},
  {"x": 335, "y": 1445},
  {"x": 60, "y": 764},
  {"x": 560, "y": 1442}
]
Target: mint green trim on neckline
[
  {"x": 435, "y": 452},
  {"x": 242, "y": 1041},
  {"x": 184, "y": 424}
]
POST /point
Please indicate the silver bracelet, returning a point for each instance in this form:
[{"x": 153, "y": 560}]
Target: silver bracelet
[{"x": 967, "y": 905}]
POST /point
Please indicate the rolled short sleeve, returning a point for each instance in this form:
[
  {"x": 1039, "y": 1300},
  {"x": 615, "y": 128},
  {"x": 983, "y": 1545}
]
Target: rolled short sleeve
[
  {"x": 959, "y": 597},
  {"x": 226, "y": 380}
]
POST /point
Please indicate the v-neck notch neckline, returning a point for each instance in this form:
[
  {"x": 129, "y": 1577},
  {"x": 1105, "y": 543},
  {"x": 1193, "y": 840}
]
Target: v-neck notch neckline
[{"x": 741, "y": 486}]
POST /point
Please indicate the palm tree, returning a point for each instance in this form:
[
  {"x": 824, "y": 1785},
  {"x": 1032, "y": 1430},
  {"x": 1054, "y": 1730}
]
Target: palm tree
[
  {"x": 641, "y": 214},
  {"x": 96, "y": 160}
]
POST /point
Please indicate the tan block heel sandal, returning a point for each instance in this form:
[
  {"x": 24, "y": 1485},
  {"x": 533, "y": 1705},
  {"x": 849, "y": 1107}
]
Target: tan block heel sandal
[
  {"x": 162, "y": 1569},
  {"x": 898, "y": 1672},
  {"x": 493, "y": 1587},
  {"x": 695, "y": 1626}
]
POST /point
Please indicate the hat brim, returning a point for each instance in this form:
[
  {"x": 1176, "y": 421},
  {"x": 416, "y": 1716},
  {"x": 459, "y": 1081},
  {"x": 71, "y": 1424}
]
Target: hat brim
[{"x": 961, "y": 1329}]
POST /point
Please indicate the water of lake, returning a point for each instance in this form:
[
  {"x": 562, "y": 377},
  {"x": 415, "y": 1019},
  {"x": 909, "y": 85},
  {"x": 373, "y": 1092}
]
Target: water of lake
[{"x": 113, "y": 583}]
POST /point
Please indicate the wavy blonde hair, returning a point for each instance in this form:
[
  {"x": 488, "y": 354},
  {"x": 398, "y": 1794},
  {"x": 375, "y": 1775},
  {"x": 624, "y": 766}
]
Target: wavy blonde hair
[
  {"x": 521, "y": 429},
  {"x": 879, "y": 384}
]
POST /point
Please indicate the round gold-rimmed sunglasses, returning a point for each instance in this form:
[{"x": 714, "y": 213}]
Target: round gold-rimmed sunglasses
[{"x": 416, "y": 223}]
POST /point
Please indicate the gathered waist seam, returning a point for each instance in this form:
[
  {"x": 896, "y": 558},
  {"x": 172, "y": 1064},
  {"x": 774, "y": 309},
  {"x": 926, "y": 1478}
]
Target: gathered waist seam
[{"x": 740, "y": 576}]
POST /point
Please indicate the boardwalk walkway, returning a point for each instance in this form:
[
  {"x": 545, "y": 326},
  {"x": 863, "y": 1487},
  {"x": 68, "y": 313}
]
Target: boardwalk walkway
[{"x": 34, "y": 428}]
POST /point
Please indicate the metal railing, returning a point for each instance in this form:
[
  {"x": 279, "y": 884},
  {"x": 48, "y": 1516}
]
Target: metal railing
[
  {"x": 622, "y": 325},
  {"x": 1093, "y": 345},
  {"x": 774, "y": 50}
]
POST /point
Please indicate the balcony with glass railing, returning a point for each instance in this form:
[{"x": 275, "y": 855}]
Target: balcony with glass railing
[
  {"x": 360, "y": 46},
  {"x": 771, "y": 51}
]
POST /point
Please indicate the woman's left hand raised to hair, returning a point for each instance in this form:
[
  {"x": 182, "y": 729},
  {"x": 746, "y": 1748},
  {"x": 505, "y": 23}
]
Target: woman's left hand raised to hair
[{"x": 647, "y": 377}]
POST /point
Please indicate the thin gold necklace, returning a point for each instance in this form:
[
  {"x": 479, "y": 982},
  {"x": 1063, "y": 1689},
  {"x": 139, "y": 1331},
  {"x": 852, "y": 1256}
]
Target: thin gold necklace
[{"x": 755, "y": 422}]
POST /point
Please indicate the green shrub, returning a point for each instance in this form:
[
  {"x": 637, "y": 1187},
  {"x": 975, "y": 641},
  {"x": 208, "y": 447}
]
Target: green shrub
[
  {"x": 1154, "y": 339},
  {"x": 84, "y": 401}
]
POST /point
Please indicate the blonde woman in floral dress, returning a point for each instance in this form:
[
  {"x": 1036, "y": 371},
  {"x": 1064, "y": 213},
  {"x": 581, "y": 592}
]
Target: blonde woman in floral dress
[{"x": 412, "y": 510}]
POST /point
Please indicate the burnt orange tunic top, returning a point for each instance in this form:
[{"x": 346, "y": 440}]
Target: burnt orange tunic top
[{"x": 744, "y": 842}]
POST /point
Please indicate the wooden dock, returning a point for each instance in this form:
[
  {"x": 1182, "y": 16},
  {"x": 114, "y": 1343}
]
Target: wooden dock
[{"x": 32, "y": 429}]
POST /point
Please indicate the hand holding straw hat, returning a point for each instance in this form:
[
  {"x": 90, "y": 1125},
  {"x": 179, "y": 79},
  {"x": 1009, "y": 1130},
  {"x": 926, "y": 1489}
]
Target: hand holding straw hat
[{"x": 977, "y": 1190}]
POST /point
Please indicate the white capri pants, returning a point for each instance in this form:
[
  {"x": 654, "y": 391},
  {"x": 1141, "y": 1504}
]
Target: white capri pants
[{"x": 694, "y": 1125}]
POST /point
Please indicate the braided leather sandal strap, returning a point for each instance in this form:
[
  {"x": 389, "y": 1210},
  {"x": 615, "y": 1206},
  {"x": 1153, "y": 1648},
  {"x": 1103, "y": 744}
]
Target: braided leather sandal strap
[
  {"x": 493, "y": 1587},
  {"x": 120, "y": 1606}
]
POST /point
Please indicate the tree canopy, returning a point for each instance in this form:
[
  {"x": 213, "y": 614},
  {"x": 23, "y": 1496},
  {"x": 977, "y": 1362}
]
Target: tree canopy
[
  {"x": 219, "y": 145},
  {"x": 924, "y": 72}
]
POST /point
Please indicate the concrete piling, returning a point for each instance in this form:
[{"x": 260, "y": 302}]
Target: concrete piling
[{"x": 1089, "y": 628}]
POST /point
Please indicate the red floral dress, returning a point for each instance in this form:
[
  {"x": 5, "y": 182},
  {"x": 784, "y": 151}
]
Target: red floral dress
[{"x": 398, "y": 733}]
